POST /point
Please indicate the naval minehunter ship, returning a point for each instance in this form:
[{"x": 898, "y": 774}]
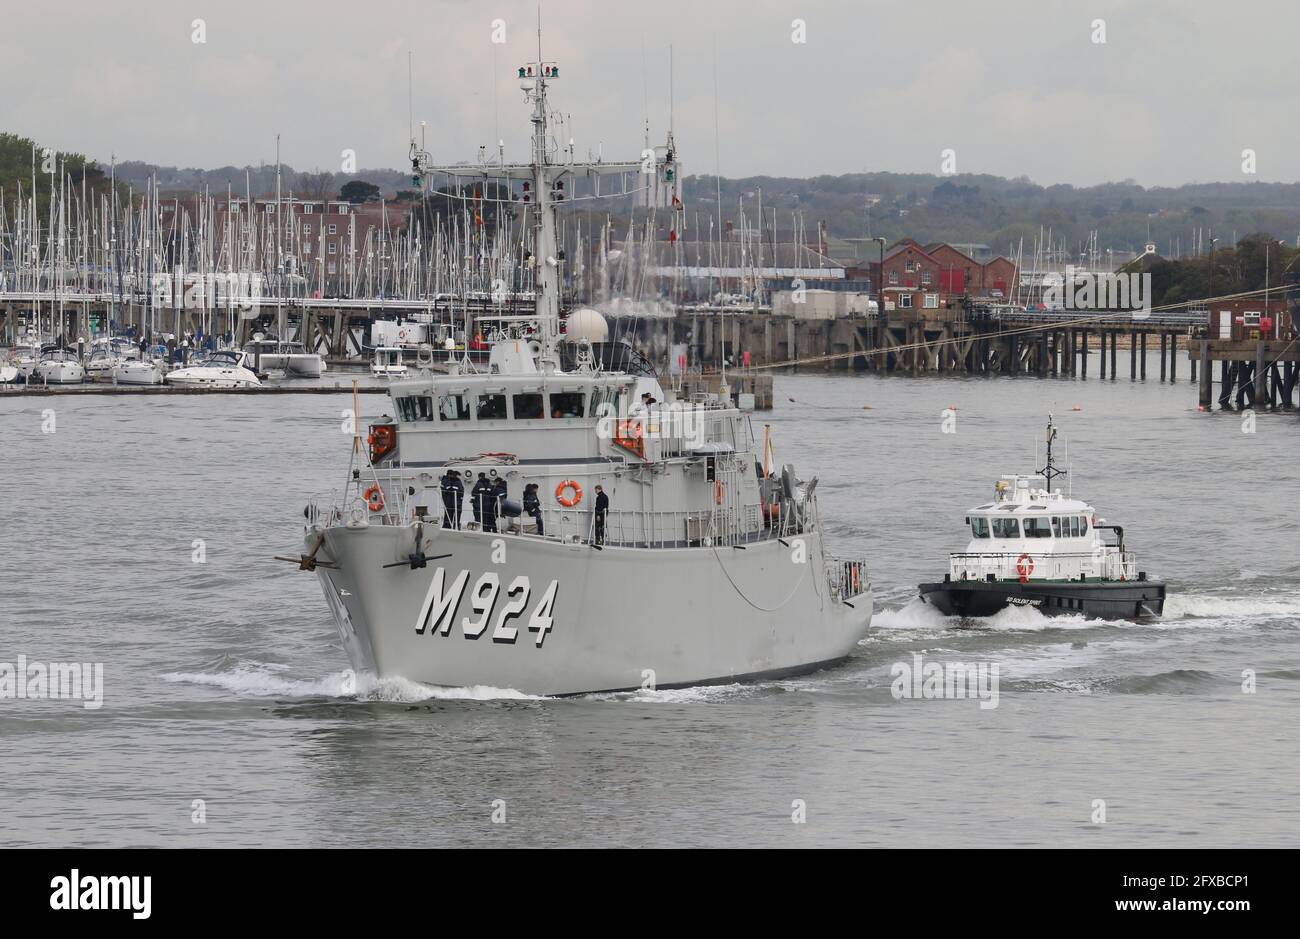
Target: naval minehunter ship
[
  {"x": 704, "y": 566},
  {"x": 1032, "y": 546}
]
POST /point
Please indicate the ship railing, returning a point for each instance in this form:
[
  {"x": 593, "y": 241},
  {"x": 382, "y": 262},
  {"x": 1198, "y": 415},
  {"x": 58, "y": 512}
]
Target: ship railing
[
  {"x": 1106, "y": 564},
  {"x": 847, "y": 577}
]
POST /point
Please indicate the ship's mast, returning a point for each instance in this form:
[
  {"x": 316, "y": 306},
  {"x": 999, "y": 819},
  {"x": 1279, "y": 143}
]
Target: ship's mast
[
  {"x": 543, "y": 182},
  {"x": 547, "y": 183},
  {"x": 1050, "y": 472}
]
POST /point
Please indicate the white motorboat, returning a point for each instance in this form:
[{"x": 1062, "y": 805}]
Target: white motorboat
[
  {"x": 139, "y": 372},
  {"x": 387, "y": 363},
  {"x": 59, "y": 367},
  {"x": 8, "y": 369},
  {"x": 104, "y": 357},
  {"x": 219, "y": 370},
  {"x": 292, "y": 358},
  {"x": 27, "y": 353}
]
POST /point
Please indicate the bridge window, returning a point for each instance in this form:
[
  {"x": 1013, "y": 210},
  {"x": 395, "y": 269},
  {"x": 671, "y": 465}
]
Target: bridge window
[
  {"x": 1037, "y": 528},
  {"x": 528, "y": 406},
  {"x": 1074, "y": 526},
  {"x": 491, "y": 407},
  {"x": 979, "y": 526},
  {"x": 1006, "y": 528},
  {"x": 567, "y": 404},
  {"x": 415, "y": 408},
  {"x": 453, "y": 407},
  {"x": 1056, "y": 525}
]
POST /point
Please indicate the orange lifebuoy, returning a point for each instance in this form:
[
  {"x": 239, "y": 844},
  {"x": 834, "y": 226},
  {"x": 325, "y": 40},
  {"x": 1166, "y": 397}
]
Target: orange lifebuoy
[
  {"x": 374, "y": 498},
  {"x": 1024, "y": 567},
  {"x": 566, "y": 500}
]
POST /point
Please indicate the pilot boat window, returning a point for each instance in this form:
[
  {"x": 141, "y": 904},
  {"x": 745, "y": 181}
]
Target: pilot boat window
[
  {"x": 453, "y": 407},
  {"x": 979, "y": 526},
  {"x": 597, "y": 399},
  {"x": 1056, "y": 526},
  {"x": 566, "y": 404},
  {"x": 1037, "y": 528},
  {"x": 1006, "y": 528},
  {"x": 1083, "y": 525},
  {"x": 528, "y": 407},
  {"x": 415, "y": 408},
  {"x": 490, "y": 407}
]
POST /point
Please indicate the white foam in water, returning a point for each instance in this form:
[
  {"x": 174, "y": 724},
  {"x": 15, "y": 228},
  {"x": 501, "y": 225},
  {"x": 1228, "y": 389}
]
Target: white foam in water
[
  {"x": 917, "y": 614},
  {"x": 1178, "y": 605},
  {"x": 262, "y": 679},
  {"x": 700, "y": 694}
]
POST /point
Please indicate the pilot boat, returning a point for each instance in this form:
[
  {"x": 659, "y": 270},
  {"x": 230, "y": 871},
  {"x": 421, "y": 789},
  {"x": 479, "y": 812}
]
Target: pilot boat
[
  {"x": 219, "y": 369},
  {"x": 662, "y": 551},
  {"x": 1032, "y": 546}
]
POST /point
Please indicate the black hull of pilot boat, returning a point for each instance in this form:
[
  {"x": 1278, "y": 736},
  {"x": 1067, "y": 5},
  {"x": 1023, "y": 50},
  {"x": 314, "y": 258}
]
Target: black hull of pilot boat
[{"x": 1097, "y": 599}]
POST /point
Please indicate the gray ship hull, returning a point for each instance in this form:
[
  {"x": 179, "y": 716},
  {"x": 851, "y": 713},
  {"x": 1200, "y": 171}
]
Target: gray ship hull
[{"x": 572, "y": 619}]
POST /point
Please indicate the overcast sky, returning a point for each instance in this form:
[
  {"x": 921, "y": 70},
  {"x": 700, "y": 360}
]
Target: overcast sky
[{"x": 1015, "y": 87}]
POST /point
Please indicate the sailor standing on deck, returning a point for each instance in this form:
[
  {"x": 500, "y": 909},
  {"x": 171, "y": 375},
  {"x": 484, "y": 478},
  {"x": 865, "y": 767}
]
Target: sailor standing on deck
[
  {"x": 459, "y": 489},
  {"x": 479, "y": 495},
  {"x": 602, "y": 509},
  {"x": 453, "y": 492},
  {"x": 533, "y": 506}
]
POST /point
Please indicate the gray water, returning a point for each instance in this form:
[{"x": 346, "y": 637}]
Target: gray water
[{"x": 224, "y": 681}]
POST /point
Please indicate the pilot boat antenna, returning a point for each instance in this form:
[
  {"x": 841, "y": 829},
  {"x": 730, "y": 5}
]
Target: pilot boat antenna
[{"x": 1050, "y": 472}]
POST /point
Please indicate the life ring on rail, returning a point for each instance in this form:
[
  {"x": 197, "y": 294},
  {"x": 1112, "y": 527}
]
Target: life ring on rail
[
  {"x": 374, "y": 498},
  {"x": 568, "y": 501},
  {"x": 1024, "y": 567}
]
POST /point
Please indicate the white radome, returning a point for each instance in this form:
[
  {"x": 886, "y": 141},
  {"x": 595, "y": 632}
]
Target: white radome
[{"x": 588, "y": 324}]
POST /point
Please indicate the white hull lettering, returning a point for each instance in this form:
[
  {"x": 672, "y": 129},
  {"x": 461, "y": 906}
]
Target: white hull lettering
[{"x": 440, "y": 607}]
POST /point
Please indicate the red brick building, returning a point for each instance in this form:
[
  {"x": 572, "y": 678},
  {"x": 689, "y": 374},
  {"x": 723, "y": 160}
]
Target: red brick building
[{"x": 935, "y": 276}]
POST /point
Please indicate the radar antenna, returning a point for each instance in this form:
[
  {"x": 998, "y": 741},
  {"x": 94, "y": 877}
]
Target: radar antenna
[{"x": 1050, "y": 472}]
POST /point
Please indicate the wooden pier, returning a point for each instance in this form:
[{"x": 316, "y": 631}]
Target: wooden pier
[{"x": 1253, "y": 374}]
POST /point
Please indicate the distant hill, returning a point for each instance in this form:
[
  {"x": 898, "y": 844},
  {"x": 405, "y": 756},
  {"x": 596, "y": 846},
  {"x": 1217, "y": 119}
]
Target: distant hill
[
  {"x": 966, "y": 209},
  {"x": 999, "y": 212}
]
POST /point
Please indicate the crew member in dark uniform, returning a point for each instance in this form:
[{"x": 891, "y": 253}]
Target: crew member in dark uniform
[
  {"x": 533, "y": 506},
  {"x": 602, "y": 508},
  {"x": 448, "y": 499},
  {"x": 458, "y": 488},
  {"x": 479, "y": 496},
  {"x": 500, "y": 493}
]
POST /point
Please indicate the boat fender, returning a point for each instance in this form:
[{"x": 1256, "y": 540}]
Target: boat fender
[{"x": 562, "y": 496}]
